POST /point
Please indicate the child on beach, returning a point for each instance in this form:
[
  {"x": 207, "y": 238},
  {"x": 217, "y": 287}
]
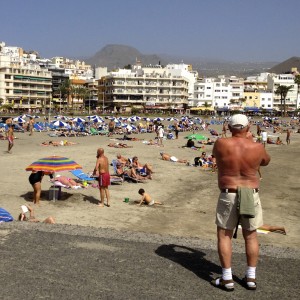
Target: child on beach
[{"x": 147, "y": 199}]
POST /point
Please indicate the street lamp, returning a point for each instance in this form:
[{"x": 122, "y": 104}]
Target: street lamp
[{"x": 103, "y": 102}]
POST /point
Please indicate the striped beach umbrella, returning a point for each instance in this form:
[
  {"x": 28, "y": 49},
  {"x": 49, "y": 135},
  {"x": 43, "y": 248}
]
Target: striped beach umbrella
[
  {"x": 60, "y": 124},
  {"x": 19, "y": 120},
  {"x": 78, "y": 120},
  {"x": 53, "y": 164}
]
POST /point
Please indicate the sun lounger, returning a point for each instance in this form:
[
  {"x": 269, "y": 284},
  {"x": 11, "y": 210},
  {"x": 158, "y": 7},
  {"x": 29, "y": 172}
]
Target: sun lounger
[{"x": 82, "y": 176}]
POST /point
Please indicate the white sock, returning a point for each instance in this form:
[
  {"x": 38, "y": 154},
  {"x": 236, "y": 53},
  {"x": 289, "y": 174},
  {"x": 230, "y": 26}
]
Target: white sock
[
  {"x": 250, "y": 273},
  {"x": 227, "y": 274}
]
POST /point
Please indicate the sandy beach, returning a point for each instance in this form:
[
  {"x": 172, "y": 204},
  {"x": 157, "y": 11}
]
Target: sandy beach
[{"x": 189, "y": 194}]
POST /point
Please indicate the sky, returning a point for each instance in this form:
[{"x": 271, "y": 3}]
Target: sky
[{"x": 232, "y": 30}]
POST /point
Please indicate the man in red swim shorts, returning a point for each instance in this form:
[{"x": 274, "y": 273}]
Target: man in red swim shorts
[{"x": 102, "y": 170}]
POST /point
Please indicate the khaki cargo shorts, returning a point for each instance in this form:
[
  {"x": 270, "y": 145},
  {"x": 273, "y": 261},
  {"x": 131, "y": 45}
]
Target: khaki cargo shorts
[{"x": 227, "y": 214}]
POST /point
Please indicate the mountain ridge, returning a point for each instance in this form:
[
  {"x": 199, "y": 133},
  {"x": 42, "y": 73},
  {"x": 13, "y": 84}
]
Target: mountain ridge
[{"x": 114, "y": 56}]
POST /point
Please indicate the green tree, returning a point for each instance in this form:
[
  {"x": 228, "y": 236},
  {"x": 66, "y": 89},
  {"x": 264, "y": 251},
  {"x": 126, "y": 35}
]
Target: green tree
[
  {"x": 282, "y": 91},
  {"x": 65, "y": 90},
  {"x": 297, "y": 81}
]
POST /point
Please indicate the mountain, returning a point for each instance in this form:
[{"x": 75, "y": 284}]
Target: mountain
[
  {"x": 118, "y": 56},
  {"x": 286, "y": 66}
]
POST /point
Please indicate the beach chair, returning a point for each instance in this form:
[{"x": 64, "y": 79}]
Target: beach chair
[{"x": 82, "y": 176}]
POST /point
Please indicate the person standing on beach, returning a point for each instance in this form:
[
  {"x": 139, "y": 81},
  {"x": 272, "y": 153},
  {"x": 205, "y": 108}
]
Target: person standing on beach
[
  {"x": 102, "y": 170},
  {"x": 31, "y": 124},
  {"x": 176, "y": 130},
  {"x": 238, "y": 160},
  {"x": 161, "y": 132},
  {"x": 111, "y": 128},
  {"x": 288, "y": 137},
  {"x": 10, "y": 138}
]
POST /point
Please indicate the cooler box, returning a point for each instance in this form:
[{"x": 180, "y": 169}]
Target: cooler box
[{"x": 54, "y": 193}]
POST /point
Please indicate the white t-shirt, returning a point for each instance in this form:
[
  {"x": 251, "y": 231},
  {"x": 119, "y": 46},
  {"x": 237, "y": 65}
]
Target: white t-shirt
[
  {"x": 161, "y": 132},
  {"x": 264, "y": 136}
]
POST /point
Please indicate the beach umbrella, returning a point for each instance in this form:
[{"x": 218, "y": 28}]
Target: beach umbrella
[
  {"x": 60, "y": 124},
  {"x": 19, "y": 120},
  {"x": 171, "y": 119},
  {"x": 96, "y": 119},
  {"x": 159, "y": 119},
  {"x": 78, "y": 120},
  {"x": 146, "y": 119},
  {"x": 196, "y": 136},
  {"x": 53, "y": 164}
]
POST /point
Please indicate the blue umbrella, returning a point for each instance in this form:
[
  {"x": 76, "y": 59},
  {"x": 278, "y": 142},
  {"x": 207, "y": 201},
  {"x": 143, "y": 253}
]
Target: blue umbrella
[
  {"x": 171, "y": 119},
  {"x": 60, "y": 124},
  {"x": 158, "y": 119},
  {"x": 19, "y": 120},
  {"x": 78, "y": 120}
]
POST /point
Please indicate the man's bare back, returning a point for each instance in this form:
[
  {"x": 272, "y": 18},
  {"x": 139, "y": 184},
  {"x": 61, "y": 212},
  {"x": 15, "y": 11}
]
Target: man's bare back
[
  {"x": 102, "y": 165},
  {"x": 234, "y": 167}
]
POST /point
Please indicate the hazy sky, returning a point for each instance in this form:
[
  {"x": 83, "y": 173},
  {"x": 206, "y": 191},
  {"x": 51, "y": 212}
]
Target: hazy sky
[{"x": 235, "y": 30}]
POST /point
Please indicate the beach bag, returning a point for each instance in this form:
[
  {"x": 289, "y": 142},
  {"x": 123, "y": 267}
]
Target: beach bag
[{"x": 5, "y": 216}]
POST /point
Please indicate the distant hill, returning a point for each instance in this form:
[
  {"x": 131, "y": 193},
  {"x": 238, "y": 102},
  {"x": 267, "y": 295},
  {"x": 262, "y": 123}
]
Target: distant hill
[
  {"x": 118, "y": 56},
  {"x": 286, "y": 66}
]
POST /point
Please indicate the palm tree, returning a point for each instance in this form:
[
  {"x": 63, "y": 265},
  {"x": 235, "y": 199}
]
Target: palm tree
[
  {"x": 297, "y": 81},
  {"x": 283, "y": 90},
  {"x": 65, "y": 90}
]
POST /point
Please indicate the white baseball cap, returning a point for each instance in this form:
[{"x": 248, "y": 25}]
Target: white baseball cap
[{"x": 238, "y": 121}]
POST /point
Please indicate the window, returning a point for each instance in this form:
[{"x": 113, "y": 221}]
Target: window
[{"x": 250, "y": 97}]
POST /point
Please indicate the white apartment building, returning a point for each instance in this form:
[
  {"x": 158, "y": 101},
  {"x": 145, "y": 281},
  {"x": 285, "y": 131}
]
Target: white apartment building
[
  {"x": 145, "y": 86},
  {"x": 23, "y": 85},
  {"x": 266, "y": 100},
  {"x": 218, "y": 92},
  {"x": 75, "y": 69},
  {"x": 274, "y": 81}
]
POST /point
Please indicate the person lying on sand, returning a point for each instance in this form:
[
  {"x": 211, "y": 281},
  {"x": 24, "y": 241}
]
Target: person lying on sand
[
  {"x": 32, "y": 218},
  {"x": 278, "y": 229},
  {"x": 60, "y": 143},
  {"x": 68, "y": 182},
  {"x": 119, "y": 145},
  {"x": 168, "y": 157},
  {"x": 146, "y": 199}
]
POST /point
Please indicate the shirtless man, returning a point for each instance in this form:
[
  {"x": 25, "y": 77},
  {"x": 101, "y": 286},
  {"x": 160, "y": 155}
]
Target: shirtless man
[
  {"x": 31, "y": 123},
  {"x": 238, "y": 160},
  {"x": 102, "y": 170},
  {"x": 10, "y": 138},
  {"x": 224, "y": 129}
]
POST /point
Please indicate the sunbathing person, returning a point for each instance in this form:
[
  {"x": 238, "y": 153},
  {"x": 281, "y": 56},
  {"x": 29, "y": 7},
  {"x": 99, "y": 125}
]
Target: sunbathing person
[
  {"x": 140, "y": 168},
  {"x": 50, "y": 143},
  {"x": 279, "y": 229},
  {"x": 123, "y": 160},
  {"x": 71, "y": 183},
  {"x": 32, "y": 218},
  {"x": 121, "y": 171},
  {"x": 119, "y": 145},
  {"x": 168, "y": 157},
  {"x": 206, "y": 142},
  {"x": 270, "y": 141}
]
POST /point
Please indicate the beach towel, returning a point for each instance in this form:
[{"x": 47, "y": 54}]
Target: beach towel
[
  {"x": 5, "y": 216},
  {"x": 246, "y": 202}
]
